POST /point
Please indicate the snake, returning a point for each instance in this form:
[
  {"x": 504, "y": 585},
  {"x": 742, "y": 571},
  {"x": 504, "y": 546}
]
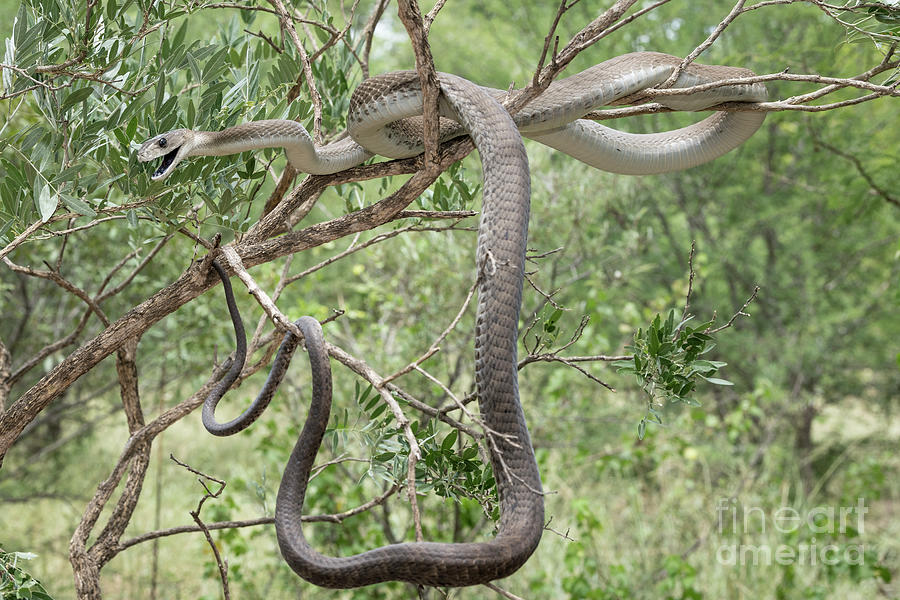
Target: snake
[{"x": 385, "y": 118}]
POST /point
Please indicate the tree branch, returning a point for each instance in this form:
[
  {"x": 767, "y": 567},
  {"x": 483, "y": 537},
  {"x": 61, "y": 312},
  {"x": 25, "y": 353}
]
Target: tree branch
[{"x": 411, "y": 17}]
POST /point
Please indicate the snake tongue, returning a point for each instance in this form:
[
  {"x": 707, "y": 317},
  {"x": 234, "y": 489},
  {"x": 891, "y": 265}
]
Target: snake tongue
[{"x": 167, "y": 161}]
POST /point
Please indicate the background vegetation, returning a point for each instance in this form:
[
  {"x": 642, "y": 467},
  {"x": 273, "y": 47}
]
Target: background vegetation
[{"x": 807, "y": 210}]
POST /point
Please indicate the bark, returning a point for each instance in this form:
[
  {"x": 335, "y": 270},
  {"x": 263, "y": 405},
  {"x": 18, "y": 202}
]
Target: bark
[
  {"x": 87, "y": 562},
  {"x": 803, "y": 443},
  {"x": 5, "y": 372}
]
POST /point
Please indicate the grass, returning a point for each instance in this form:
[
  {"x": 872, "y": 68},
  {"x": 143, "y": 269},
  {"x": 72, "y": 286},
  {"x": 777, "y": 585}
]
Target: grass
[{"x": 634, "y": 519}]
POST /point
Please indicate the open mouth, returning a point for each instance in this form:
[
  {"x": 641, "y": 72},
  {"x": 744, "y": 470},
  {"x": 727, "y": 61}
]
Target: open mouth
[{"x": 167, "y": 161}]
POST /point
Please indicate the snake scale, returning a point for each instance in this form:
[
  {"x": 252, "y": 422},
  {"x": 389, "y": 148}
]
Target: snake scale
[{"x": 385, "y": 119}]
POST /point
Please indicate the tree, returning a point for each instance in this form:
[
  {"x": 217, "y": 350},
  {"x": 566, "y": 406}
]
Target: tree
[{"x": 83, "y": 84}]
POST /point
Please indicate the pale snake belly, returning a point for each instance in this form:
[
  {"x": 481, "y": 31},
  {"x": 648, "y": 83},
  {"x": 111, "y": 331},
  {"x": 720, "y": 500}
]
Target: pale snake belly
[{"x": 385, "y": 118}]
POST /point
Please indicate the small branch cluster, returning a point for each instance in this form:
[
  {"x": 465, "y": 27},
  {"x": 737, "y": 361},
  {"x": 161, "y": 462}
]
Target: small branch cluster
[{"x": 195, "y": 514}]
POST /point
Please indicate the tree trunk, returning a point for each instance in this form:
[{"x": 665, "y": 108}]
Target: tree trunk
[{"x": 804, "y": 444}]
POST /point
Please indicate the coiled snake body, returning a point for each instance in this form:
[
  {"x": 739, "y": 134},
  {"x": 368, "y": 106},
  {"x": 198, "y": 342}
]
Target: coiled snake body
[{"x": 383, "y": 120}]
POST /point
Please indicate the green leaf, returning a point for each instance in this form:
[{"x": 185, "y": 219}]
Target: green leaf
[
  {"x": 195, "y": 68},
  {"x": 20, "y": 24},
  {"x": 448, "y": 442},
  {"x": 323, "y": 35},
  {"x": 121, "y": 136},
  {"x": 76, "y": 97},
  {"x": 378, "y": 411},
  {"x": 191, "y": 118},
  {"x": 67, "y": 175},
  {"x": 214, "y": 65},
  {"x": 683, "y": 322},
  {"x": 362, "y": 395},
  {"x": 372, "y": 402},
  {"x": 717, "y": 381},
  {"x": 78, "y": 205},
  {"x": 178, "y": 39},
  {"x": 708, "y": 364},
  {"x": 43, "y": 200},
  {"x": 131, "y": 128},
  {"x": 653, "y": 345}
]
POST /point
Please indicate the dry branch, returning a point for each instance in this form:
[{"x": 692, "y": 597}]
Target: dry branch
[
  {"x": 324, "y": 518},
  {"x": 412, "y": 20}
]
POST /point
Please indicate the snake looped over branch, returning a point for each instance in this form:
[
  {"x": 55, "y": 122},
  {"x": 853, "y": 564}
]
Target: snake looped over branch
[{"x": 385, "y": 118}]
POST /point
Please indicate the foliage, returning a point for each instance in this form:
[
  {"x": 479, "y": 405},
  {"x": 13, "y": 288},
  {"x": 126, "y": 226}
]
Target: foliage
[
  {"x": 452, "y": 191},
  {"x": 450, "y": 467},
  {"x": 667, "y": 364},
  {"x": 874, "y": 21},
  {"x": 15, "y": 582},
  {"x": 205, "y": 84}
]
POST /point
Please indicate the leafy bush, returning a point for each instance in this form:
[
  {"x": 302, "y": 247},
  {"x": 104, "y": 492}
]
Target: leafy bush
[{"x": 15, "y": 582}]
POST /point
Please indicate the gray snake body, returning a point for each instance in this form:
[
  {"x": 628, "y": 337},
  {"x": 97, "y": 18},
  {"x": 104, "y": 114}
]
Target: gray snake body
[{"x": 382, "y": 120}]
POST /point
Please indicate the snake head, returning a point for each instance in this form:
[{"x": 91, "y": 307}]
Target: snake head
[{"x": 172, "y": 146}]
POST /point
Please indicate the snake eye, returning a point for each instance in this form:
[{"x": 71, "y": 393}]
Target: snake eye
[{"x": 162, "y": 142}]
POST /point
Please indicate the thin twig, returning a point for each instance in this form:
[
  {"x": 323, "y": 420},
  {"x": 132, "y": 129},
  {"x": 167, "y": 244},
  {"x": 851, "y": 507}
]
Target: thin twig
[
  {"x": 338, "y": 36},
  {"x": 195, "y": 514},
  {"x": 459, "y": 404},
  {"x": 435, "y": 345},
  {"x": 548, "y": 296},
  {"x": 857, "y": 164},
  {"x": 370, "y": 242},
  {"x": 551, "y": 37},
  {"x": 502, "y": 592},
  {"x": 740, "y": 313},
  {"x": 729, "y": 18},
  {"x": 231, "y": 5},
  {"x": 860, "y": 81},
  {"x": 531, "y": 358},
  {"x": 287, "y": 24},
  {"x": 687, "y": 298},
  {"x": 125, "y": 282},
  {"x": 432, "y": 15},
  {"x": 564, "y": 536},
  {"x": 326, "y": 518},
  {"x": 63, "y": 283},
  {"x": 584, "y": 372},
  {"x": 368, "y": 34}
]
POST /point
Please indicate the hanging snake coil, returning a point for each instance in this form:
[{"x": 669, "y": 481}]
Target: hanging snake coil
[{"x": 385, "y": 119}]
